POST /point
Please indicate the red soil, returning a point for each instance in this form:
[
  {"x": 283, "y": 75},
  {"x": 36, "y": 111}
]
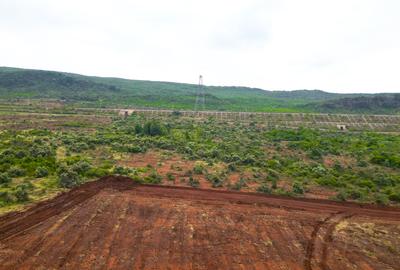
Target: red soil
[{"x": 113, "y": 223}]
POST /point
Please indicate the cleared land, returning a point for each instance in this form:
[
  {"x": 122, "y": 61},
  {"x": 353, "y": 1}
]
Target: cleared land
[{"x": 115, "y": 223}]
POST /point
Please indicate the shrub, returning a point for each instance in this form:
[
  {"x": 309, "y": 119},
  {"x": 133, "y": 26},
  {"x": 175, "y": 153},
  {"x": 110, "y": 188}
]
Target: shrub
[
  {"x": 315, "y": 154},
  {"x": 153, "y": 178},
  {"x": 355, "y": 194},
  {"x": 69, "y": 179},
  {"x": 381, "y": 199},
  {"x": 341, "y": 195},
  {"x": 21, "y": 192},
  {"x": 394, "y": 197},
  {"x": 170, "y": 176},
  {"x": 194, "y": 182},
  {"x": 16, "y": 172},
  {"x": 264, "y": 189},
  {"x": 97, "y": 172},
  {"x": 274, "y": 184},
  {"x": 138, "y": 128},
  {"x": 232, "y": 167},
  {"x": 239, "y": 184},
  {"x": 5, "y": 178},
  {"x": 41, "y": 172},
  {"x": 154, "y": 128},
  {"x": 198, "y": 169},
  {"x": 215, "y": 180},
  {"x": 121, "y": 170},
  {"x": 5, "y": 197},
  {"x": 81, "y": 167},
  {"x": 297, "y": 188}
]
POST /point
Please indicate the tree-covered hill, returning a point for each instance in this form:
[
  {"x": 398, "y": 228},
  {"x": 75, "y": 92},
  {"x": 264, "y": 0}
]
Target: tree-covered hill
[
  {"x": 115, "y": 92},
  {"x": 378, "y": 104}
]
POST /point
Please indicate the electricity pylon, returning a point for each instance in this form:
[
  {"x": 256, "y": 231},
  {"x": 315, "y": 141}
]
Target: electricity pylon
[{"x": 200, "y": 96}]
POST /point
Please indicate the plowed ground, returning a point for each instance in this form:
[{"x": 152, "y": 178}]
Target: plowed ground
[{"x": 115, "y": 224}]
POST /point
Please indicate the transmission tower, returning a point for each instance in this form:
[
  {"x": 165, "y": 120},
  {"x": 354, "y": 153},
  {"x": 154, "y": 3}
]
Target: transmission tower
[{"x": 200, "y": 96}]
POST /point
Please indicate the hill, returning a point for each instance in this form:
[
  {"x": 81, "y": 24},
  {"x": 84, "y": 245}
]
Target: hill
[
  {"x": 112, "y": 92},
  {"x": 378, "y": 104}
]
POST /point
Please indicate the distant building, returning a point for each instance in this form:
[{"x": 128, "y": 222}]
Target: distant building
[
  {"x": 125, "y": 113},
  {"x": 341, "y": 127}
]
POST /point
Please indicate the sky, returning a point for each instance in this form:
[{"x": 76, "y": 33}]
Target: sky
[{"x": 344, "y": 46}]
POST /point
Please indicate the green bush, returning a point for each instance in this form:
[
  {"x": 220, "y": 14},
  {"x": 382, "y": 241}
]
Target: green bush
[
  {"x": 194, "y": 182},
  {"x": 342, "y": 195},
  {"x": 21, "y": 192},
  {"x": 5, "y": 197},
  {"x": 215, "y": 180},
  {"x": 5, "y": 178},
  {"x": 198, "y": 169},
  {"x": 16, "y": 172},
  {"x": 69, "y": 179},
  {"x": 264, "y": 188},
  {"x": 274, "y": 184},
  {"x": 154, "y": 128},
  {"x": 394, "y": 196},
  {"x": 297, "y": 188},
  {"x": 381, "y": 199},
  {"x": 121, "y": 170},
  {"x": 153, "y": 178},
  {"x": 170, "y": 177},
  {"x": 41, "y": 172},
  {"x": 81, "y": 167}
]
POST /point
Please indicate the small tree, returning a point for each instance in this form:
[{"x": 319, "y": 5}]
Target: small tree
[{"x": 69, "y": 179}]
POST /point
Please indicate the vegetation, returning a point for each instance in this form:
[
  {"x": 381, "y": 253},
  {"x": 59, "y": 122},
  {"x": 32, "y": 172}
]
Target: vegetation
[
  {"x": 364, "y": 167},
  {"x": 379, "y": 104},
  {"x": 84, "y": 91}
]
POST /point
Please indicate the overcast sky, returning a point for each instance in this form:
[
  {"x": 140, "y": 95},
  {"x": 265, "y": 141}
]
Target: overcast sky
[{"x": 333, "y": 45}]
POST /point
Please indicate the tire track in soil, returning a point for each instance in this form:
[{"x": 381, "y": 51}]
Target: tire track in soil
[
  {"x": 38, "y": 243},
  {"x": 115, "y": 232},
  {"x": 16, "y": 223},
  {"x": 328, "y": 238},
  {"x": 82, "y": 232},
  {"x": 314, "y": 236}
]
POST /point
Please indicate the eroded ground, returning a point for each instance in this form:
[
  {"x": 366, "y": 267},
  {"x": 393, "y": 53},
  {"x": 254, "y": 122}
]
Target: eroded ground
[{"x": 115, "y": 224}]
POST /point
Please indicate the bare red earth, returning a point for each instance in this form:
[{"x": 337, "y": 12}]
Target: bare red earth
[{"x": 115, "y": 224}]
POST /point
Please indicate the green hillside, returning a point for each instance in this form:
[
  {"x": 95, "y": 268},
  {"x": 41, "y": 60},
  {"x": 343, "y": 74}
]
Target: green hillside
[
  {"x": 111, "y": 92},
  {"x": 377, "y": 104}
]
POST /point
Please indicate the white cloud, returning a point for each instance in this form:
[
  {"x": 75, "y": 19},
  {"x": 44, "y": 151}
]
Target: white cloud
[{"x": 342, "y": 45}]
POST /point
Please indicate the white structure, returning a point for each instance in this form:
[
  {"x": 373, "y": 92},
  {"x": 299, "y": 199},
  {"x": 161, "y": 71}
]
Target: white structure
[{"x": 125, "y": 113}]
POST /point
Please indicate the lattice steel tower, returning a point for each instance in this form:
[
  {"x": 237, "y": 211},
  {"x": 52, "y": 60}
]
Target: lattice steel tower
[{"x": 200, "y": 104}]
